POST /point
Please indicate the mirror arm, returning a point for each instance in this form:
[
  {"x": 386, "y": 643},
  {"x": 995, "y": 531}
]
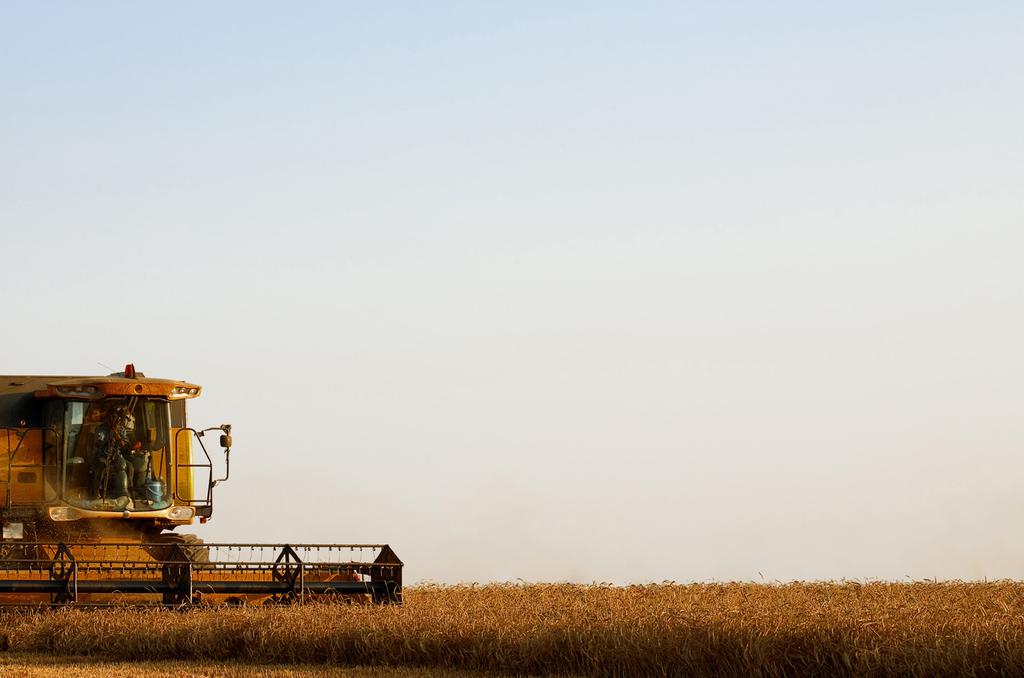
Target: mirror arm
[
  {"x": 227, "y": 468},
  {"x": 225, "y": 429}
]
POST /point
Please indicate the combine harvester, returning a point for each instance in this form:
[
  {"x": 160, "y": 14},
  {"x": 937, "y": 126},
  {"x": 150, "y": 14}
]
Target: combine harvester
[{"x": 100, "y": 473}]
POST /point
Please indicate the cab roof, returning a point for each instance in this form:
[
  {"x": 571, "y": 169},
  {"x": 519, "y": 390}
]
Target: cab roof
[{"x": 117, "y": 384}]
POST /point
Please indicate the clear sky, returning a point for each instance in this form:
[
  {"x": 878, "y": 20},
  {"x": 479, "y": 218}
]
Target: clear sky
[{"x": 582, "y": 290}]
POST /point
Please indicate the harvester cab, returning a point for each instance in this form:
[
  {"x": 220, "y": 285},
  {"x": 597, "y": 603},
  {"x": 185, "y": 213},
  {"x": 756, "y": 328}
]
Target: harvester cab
[
  {"x": 106, "y": 456},
  {"x": 101, "y": 471}
]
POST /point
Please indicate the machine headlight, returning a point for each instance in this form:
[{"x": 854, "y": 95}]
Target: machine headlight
[
  {"x": 181, "y": 513},
  {"x": 64, "y": 513},
  {"x": 86, "y": 391}
]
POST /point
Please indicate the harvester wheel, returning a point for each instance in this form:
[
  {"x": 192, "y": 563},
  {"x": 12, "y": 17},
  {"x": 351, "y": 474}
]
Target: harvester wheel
[{"x": 190, "y": 543}]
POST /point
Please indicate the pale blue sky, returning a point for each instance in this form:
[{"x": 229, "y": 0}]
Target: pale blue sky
[{"x": 548, "y": 290}]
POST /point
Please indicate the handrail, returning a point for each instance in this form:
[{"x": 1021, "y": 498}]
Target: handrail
[{"x": 192, "y": 501}]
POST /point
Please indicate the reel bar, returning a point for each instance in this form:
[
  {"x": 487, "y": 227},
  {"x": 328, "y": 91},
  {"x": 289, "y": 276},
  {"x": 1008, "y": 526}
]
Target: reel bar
[
  {"x": 111, "y": 586},
  {"x": 182, "y": 573}
]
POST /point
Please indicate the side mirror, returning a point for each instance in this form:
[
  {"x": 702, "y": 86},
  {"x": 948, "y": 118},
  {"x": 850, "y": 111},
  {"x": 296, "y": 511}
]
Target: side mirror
[{"x": 225, "y": 439}]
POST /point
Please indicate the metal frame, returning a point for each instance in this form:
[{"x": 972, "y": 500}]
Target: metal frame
[{"x": 64, "y": 571}]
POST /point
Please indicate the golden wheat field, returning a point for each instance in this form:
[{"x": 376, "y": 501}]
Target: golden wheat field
[{"x": 922, "y": 629}]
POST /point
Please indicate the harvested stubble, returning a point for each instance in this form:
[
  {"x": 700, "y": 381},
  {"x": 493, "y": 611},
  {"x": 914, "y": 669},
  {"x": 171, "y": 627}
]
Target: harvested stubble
[
  {"x": 35, "y": 666},
  {"x": 922, "y": 629}
]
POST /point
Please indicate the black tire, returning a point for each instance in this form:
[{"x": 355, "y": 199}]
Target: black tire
[{"x": 162, "y": 546}]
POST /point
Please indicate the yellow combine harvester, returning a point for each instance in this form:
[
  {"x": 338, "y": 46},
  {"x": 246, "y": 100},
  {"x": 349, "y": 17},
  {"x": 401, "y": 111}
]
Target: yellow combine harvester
[{"x": 100, "y": 473}]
